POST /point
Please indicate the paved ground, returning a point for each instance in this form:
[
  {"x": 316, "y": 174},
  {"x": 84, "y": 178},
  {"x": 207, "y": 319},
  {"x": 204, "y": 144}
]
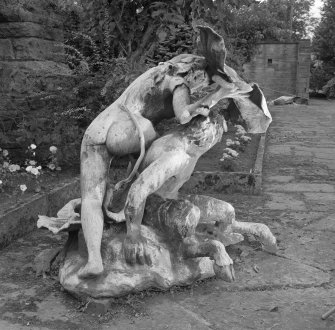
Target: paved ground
[{"x": 287, "y": 291}]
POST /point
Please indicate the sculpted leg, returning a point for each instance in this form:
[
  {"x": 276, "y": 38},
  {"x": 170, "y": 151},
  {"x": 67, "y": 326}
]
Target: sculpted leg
[
  {"x": 223, "y": 265},
  {"x": 228, "y": 229},
  {"x": 257, "y": 229},
  {"x": 148, "y": 182},
  {"x": 93, "y": 177},
  {"x": 220, "y": 215}
]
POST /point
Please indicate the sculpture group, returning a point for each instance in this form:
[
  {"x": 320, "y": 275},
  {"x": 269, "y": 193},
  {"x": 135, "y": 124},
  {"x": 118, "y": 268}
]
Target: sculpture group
[{"x": 153, "y": 241}]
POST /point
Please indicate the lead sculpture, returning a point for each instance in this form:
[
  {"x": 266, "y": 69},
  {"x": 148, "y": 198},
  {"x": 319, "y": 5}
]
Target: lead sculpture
[{"x": 153, "y": 240}]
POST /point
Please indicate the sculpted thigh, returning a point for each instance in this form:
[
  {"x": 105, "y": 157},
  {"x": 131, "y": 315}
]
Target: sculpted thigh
[{"x": 123, "y": 137}]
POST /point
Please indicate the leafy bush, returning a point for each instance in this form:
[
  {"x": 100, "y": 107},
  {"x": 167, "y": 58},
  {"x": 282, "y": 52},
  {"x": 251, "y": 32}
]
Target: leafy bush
[
  {"x": 329, "y": 88},
  {"x": 319, "y": 77}
]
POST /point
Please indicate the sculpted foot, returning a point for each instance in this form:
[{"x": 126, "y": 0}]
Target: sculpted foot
[
  {"x": 225, "y": 273},
  {"x": 91, "y": 269}
]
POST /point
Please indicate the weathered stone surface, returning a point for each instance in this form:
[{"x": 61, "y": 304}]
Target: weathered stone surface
[
  {"x": 30, "y": 29},
  {"x": 119, "y": 278},
  {"x": 302, "y": 187},
  {"x": 281, "y": 201},
  {"x": 29, "y": 11},
  {"x": 320, "y": 197},
  {"x": 6, "y": 50},
  {"x": 28, "y": 77},
  {"x": 280, "y": 178},
  {"x": 312, "y": 248},
  {"x": 38, "y": 49},
  {"x": 299, "y": 309},
  {"x": 32, "y": 58},
  {"x": 325, "y": 224},
  {"x": 263, "y": 270}
]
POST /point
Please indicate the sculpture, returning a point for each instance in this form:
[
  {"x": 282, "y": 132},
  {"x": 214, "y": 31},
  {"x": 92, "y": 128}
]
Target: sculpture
[{"x": 167, "y": 246}]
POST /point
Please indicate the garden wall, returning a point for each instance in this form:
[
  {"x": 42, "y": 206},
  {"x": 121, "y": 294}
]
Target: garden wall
[
  {"x": 32, "y": 60},
  {"x": 281, "y": 68}
]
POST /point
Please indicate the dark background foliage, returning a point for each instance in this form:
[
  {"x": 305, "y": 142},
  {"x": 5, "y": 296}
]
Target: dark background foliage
[{"x": 110, "y": 42}]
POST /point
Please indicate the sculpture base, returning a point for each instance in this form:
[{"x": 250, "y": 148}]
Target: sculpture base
[{"x": 168, "y": 267}]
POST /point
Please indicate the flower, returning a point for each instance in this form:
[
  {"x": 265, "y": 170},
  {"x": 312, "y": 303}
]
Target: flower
[
  {"x": 32, "y": 162},
  {"x": 53, "y": 149},
  {"x": 5, "y": 164},
  {"x": 245, "y": 138},
  {"x": 225, "y": 156},
  {"x": 39, "y": 167},
  {"x": 35, "y": 171},
  {"x": 23, "y": 187},
  {"x": 0, "y": 182},
  {"x": 13, "y": 167},
  {"x": 32, "y": 146},
  {"x": 52, "y": 166},
  {"x": 29, "y": 168},
  {"x": 5, "y": 152},
  {"x": 231, "y": 152}
]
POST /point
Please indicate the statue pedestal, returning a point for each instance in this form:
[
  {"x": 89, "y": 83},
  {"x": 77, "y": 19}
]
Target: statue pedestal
[
  {"x": 182, "y": 249},
  {"x": 168, "y": 268}
]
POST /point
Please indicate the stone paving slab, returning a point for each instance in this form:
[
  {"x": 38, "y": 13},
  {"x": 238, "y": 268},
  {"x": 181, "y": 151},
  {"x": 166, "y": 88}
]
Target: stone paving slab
[
  {"x": 325, "y": 224},
  {"x": 315, "y": 248},
  {"x": 281, "y": 201},
  {"x": 261, "y": 270},
  {"x": 301, "y": 187},
  {"x": 277, "y": 309}
]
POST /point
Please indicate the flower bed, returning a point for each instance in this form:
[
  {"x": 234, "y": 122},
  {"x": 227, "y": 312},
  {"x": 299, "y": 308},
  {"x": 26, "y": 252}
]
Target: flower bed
[
  {"x": 232, "y": 165},
  {"x": 20, "y": 181}
]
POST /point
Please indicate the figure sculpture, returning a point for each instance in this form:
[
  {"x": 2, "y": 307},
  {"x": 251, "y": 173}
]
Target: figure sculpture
[
  {"x": 161, "y": 92},
  {"x": 161, "y": 225}
]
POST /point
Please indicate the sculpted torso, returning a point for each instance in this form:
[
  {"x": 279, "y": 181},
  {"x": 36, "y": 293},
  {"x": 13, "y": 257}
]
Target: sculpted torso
[{"x": 193, "y": 140}]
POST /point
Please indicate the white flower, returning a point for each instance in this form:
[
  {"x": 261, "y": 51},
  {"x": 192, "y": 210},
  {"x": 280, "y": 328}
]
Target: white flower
[
  {"x": 245, "y": 138},
  {"x": 231, "y": 152},
  {"x": 5, "y": 152},
  {"x": 23, "y": 187},
  {"x": 32, "y": 162},
  {"x": 230, "y": 143},
  {"x": 33, "y": 146},
  {"x": 53, "y": 149},
  {"x": 39, "y": 167},
  {"x": 225, "y": 156},
  {"x": 13, "y": 167},
  {"x": 34, "y": 171},
  {"x": 240, "y": 130},
  {"x": 0, "y": 182},
  {"x": 29, "y": 168},
  {"x": 5, "y": 164},
  {"x": 52, "y": 166}
]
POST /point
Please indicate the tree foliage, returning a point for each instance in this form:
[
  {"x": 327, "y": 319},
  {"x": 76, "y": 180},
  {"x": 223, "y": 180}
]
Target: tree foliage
[
  {"x": 324, "y": 37},
  {"x": 152, "y": 31}
]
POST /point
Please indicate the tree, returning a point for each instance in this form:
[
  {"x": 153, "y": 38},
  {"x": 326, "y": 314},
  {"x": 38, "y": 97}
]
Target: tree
[
  {"x": 324, "y": 37},
  {"x": 291, "y": 16}
]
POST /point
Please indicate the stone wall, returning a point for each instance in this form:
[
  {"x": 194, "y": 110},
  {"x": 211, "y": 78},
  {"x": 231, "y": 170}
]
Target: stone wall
[
  {"x": 32, "y": 59},
  {"x": 281, "y": 68}
]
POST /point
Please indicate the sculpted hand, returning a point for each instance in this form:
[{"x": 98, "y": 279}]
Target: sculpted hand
[
  {"x": 134, "y": 248},
  {"x": 204, "y": 111},
  {"x": 191, "y": 111}
]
